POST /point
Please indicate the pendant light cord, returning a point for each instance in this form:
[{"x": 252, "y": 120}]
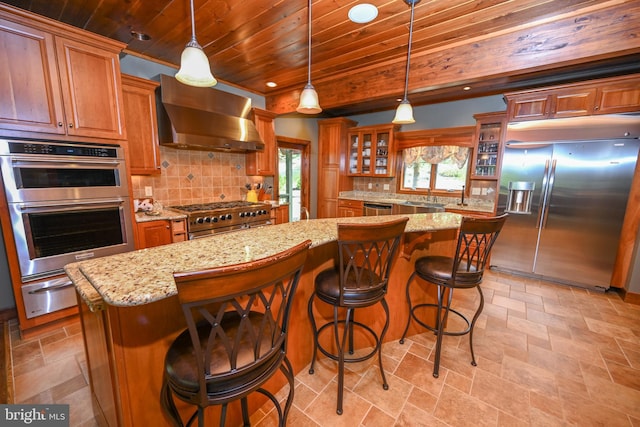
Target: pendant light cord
[
  {"x": 193, "y": 23},
  {"x": 309, "y": 42},
  {"x": 406, "y": 80}
]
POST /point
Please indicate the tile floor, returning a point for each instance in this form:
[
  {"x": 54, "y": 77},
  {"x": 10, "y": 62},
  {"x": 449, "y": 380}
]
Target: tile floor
[{"x": 548, "y": 355}]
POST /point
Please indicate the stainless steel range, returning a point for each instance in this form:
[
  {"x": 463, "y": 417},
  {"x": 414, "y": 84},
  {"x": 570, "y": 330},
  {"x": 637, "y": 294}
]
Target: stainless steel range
[{"x": 205, "y": 219}]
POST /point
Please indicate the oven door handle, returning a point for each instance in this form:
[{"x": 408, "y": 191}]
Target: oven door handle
[
  {"x": 64, "y": 285},
  {"x": 69, "y": 206},
  {"x": 22, "y": 162}
]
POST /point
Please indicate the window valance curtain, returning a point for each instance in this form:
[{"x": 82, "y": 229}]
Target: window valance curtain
[{"x": 436, "y": 154}]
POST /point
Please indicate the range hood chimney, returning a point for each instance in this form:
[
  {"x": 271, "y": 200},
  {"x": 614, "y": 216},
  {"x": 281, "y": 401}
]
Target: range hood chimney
[{"x": 206, "y": 119}]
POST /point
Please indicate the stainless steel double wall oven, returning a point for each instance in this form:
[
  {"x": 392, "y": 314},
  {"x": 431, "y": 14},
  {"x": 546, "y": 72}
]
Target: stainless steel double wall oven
[{"x": 67, "y": 202}]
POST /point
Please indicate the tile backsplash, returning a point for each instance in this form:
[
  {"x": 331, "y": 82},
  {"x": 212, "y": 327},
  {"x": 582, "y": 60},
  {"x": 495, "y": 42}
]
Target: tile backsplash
[{"x": 190, "y": 176}]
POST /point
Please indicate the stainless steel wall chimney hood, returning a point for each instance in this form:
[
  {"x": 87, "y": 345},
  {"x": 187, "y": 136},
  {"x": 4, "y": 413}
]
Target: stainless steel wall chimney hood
[{"x": 205, "y": 119}]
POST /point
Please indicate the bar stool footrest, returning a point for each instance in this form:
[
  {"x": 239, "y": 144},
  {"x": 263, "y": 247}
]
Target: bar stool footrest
[
  {"x": 433, "y": 328},
  {"x": 355, "y": 359}
]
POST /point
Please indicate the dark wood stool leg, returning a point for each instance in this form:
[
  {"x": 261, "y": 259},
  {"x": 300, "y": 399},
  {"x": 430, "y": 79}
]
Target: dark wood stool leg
[
  {"x": 288, "y": 373},
  {"x": 314, "y": 331},
  {"x": 441, "y": 321},
  {"x": 408, "y": 293},
  {"x": 340, "y": 344},
  {"x": 385, "y": 385},
  {"x": 245, "y": 412},
  {"x": 473, "y": 323}
]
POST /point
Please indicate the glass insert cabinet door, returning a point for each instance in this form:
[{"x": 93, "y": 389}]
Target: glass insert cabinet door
[
  {"x": 488, "y": 150},
  {"x": 371, "y": 152}
]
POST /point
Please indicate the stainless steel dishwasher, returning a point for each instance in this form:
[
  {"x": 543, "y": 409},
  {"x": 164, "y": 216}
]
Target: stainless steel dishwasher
[{"x": 376, "y": 209}]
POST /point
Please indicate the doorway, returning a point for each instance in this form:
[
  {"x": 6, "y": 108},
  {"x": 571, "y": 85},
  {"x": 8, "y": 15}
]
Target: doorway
[{"x": 293, "y": 176}]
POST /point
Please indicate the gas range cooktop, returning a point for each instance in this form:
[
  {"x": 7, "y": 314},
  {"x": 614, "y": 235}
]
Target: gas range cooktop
[
  {"x": 204, "y": 219},
  {"x": 217, "y": 205}
]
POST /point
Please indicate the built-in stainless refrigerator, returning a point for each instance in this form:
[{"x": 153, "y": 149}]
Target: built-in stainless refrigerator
[{"x": 566, "y": 191}]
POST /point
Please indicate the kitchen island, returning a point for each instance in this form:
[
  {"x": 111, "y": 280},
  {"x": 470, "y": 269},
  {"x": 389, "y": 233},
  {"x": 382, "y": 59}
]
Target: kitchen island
[{"x": 130, "y": 312}]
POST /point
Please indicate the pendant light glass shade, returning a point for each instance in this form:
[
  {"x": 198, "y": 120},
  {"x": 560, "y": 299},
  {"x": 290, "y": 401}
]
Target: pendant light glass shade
[
  {"x": 404, "y": 112},
  {"x": 309, "y": 103},
  {"x": 194, "y": 64}
]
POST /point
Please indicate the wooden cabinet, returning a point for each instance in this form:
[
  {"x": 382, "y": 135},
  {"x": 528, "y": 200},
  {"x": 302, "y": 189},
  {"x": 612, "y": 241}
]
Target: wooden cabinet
[
  {"x": 142, "y": 126},
  {"x": 161, "y": 232},
  {"x": 603, "y": 96},
  {"x": 332, "y": 165},
  {"x": 263, "y": 163},
  {"x": 179, "y": 230},
  {"x": 350, "y": 208},
  {"x": 619, "y": 96},
  {"x": 488, "y": 148},
  {"x": 59, "y": 80},
  {"x": 281, "y": 214},
  {"x": 372, "y": 151},
  {"x": 571, "y": 102}
]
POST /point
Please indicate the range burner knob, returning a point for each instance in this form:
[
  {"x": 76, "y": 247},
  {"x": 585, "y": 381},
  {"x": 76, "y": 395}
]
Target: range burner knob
[
  {"x": 242, "y": 214},
  {"x": 223, "y": 217},
  {"x": 199, "y": 220},
  {"x": 207, "y": 219},
  {"x": 263, "y": 212},
  {"x": 229, "y": 216},
  {"x": 253, "y": 213},
  {"x": 214, "y": 219}
]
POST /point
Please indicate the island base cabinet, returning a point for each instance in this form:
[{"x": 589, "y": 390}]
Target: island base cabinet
[
  {"x": 100, "y": 364},
  {"x": 126, "y": 346}
]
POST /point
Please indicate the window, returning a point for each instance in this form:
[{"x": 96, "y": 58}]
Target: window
[{"x": 434, "y": 168}]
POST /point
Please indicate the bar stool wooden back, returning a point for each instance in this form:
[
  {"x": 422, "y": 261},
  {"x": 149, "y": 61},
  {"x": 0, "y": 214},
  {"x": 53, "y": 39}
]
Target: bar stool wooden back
[
  {"x": 462, "y": 271},
  {"x": 365, "y": 254},
  {"x": 236, "y": 339}
]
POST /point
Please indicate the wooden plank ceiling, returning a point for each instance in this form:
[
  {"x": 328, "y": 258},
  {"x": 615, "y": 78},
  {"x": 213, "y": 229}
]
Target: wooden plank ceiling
[{"x": 492, "y": 46}]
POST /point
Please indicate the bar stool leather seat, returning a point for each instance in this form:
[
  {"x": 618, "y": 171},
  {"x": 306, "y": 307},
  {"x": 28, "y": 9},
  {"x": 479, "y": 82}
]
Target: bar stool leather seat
[
  {"x": 237, "y": 322},
  {"x": 463, "y": 270},
  {"x": 366, "y": 252}
]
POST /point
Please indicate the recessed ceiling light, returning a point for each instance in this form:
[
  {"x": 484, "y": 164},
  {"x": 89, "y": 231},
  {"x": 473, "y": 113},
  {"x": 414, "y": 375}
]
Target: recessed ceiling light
[
  {"x": 140, "y": 36},
  {"x": 363, "y": 13},
  {"x": 466, "y": 88},
  {"x": 272, "y": 84}
]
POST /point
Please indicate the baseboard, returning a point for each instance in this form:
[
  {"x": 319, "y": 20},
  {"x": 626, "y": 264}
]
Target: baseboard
[
  {"x": 8, "y": 314},
  {"x": 630, "y": 297}
]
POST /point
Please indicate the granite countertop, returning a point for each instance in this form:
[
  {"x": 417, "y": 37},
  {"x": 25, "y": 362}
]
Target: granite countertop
[
  {"x": 165, "y": 214},
  {"x": 146, "y": 275},
  {"x": 472, "y": 204}
]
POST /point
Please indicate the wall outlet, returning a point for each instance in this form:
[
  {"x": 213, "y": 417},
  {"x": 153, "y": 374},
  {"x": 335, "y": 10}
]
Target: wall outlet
[
  {"x": 148, "y": 191},
  {"x": 369, "y": 186},
  {"x": 386, "y": 186}
]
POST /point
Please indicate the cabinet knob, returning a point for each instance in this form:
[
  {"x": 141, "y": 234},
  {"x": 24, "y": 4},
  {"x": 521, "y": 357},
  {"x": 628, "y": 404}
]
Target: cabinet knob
[
  {"x": 60, "y": 124},
  {"x": 596, "y": 108},
  {"x": 70, "y": 125}
]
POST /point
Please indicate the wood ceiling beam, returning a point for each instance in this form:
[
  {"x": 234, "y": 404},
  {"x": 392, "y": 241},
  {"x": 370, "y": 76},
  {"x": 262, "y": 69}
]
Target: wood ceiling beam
[{"x": 596, "y": 33}]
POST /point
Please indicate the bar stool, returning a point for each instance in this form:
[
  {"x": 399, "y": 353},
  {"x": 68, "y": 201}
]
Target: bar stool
[
  {"x": 462, "y": 271},
  {"x": 365, "y": 253},
  {"x": 237, "y": 318}
]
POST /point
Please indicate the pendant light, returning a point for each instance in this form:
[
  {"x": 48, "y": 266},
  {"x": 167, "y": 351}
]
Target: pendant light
[
  {"x": 404, "y": 113},
  {"x": 309, "y": 103},
  {"x": 194, "y": 64}
]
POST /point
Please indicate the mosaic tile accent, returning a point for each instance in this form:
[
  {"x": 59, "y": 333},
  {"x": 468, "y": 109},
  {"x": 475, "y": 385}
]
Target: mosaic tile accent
[{"x": 165, "y": 164}]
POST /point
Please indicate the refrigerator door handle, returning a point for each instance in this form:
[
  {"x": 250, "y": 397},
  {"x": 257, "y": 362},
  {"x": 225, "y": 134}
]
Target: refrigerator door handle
[
  {"x": 547, "y": 198},
  {"x": 543, "y": 192}
]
